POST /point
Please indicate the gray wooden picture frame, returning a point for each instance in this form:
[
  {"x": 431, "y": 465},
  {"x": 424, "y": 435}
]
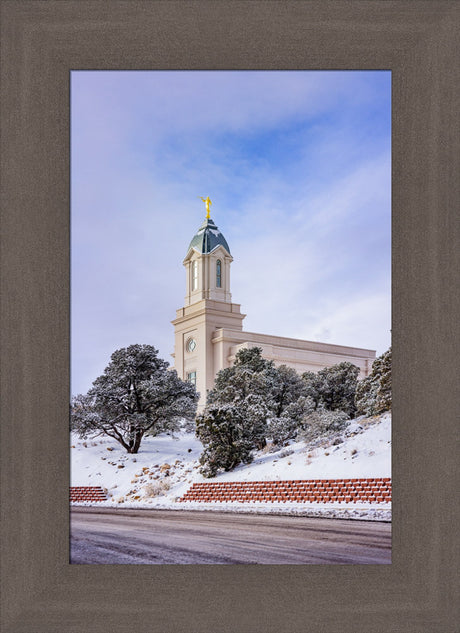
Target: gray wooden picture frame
[{"x": 41, "y": 43}]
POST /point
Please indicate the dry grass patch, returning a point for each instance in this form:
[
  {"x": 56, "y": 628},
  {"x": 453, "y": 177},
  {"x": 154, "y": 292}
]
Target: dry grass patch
[{"x": 156, "y": 489}]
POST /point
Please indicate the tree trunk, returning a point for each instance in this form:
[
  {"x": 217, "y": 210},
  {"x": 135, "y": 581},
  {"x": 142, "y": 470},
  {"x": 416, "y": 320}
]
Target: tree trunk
[{"x": 135, "y": 444}]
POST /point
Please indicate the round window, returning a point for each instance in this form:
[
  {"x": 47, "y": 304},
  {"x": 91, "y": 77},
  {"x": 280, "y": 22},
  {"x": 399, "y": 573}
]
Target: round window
[{"x": 191, "y": 345}]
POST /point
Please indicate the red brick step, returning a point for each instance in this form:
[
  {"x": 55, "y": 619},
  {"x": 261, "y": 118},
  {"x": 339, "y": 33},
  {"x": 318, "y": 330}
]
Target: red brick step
[
  {"x": 372, "y": 490},
  {"x": 79, "y": 494}
]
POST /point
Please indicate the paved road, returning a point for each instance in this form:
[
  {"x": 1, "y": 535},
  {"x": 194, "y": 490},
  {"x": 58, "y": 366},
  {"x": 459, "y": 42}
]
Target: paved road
[{"x": 108, "y": 536}]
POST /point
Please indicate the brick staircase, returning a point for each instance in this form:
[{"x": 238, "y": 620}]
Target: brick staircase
[
  {"x": 86, "y": 493},
  {"x": 308, "y": 491}
]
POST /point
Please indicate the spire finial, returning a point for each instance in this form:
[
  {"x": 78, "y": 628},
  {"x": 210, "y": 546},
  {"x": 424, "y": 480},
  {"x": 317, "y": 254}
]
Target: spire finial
[{"x": 207, "y": 202}]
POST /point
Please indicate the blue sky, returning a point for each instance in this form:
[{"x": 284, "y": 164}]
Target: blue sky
[{"x": 298, "y": 167}]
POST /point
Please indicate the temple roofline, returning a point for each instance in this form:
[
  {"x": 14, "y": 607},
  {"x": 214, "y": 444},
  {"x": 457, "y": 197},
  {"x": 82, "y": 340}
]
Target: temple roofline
[{"x": 272, "y": 339}]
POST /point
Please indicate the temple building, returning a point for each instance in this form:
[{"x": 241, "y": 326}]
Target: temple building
[{"x": 209, "y": 328}]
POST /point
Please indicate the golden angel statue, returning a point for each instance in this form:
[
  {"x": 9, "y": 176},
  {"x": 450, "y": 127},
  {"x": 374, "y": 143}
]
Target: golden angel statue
[{"x": 207, "y": 202}]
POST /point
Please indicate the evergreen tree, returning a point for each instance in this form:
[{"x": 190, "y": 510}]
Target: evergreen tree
[
  {"x": 285, "y": 427},
  {"x": 286, "y": 387},
  {"x": 250, "y": 401},
  {"x": 310, "y": 380},
  {"x": 373, "y": 394},
  {"x": 333, "y": 388},
  {"x": 366, "y": 396},
  {"x": 135, "y": 395},
  {"x": 248, "y": 375},
  {"x": 234, "y": 421},
  {"x": 323, "y": 423},
  {"x": 225, "y": 436},
  {"x": 253, "y": 400},
  {"x": 384, "y": 387},
  {"x": 246, "y": 386}
]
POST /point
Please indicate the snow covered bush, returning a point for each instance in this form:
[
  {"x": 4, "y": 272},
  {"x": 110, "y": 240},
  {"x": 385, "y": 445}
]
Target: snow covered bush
[
  {"x": 136, "y": 395},
  {"x": 333, "y": 388},
  {"x": 285, "y": 386},
  {"x": 226, "y": 438},
  {"x": 237, "y": 411},
  {"x": 373, "y": 394},
  {"x": 323, "y": 424},
  {"x": 269, "y": 402},
  {"x": 284, "y": 428},
  {"x": 366, "y": 396},
  {"x": 264, "y": 400},
  {"x": 384, "y": 388},
  {"x": 247, "y": 387}
]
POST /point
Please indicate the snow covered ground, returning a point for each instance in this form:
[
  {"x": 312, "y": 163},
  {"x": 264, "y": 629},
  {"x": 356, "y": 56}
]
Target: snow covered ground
[{"x": 166, "y": 467}]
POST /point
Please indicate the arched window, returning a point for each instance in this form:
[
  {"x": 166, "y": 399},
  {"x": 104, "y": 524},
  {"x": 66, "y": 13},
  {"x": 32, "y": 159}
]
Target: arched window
[
  {"x": 219, "y": 274},
  {"x": 195, "y": 275}
]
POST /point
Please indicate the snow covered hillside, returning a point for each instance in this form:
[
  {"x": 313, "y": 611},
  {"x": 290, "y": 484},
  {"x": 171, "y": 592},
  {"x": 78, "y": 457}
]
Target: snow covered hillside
[{"x": 166, "y": 467}]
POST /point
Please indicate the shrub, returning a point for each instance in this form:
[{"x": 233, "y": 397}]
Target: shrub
[
  {"x": 373, "y": 394},
  {"x": 366, "y": 396},
  {"x": 246, "y": 387},
  {"x": 384, "y": 387},
  {"x": 284, "y": 428},
  {"x": 156, "y": 489},
  {"x": 285, "y": 387},
  {"x": 226, "y": 439},
  {"x": 333, "y": 388},
  {"x": 323, "y": 424}
]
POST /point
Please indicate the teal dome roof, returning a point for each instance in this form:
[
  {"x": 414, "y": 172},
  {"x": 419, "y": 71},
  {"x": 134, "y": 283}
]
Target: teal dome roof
[{"x": 207, "y": 238}]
